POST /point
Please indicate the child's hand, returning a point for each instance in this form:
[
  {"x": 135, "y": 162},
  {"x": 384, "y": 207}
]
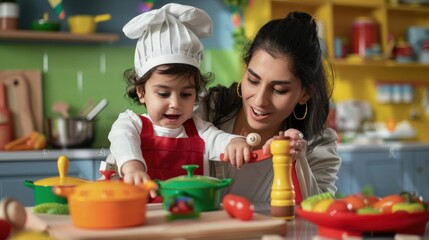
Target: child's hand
[
  {"x": 134, "y": 173},
  {"x": 298, "y": 145},
  {"x": 237, "y": 152}
]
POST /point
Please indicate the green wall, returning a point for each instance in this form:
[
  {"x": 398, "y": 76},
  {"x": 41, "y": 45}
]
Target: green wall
[{"x": 68, "y": 61}]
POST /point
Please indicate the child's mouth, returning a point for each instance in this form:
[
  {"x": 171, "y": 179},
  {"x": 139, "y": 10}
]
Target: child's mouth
[{"x": 172, "y": 116}]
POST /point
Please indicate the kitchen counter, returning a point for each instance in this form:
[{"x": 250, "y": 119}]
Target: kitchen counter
[
  {"x": 19, "y": 166},
  {"x": 53, "y": 154},
  {"x": 101, "y": 153},
  {"x": 382, "y": 146}
]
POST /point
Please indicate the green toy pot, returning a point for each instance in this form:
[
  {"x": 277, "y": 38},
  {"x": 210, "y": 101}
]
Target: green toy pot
[
  {"x": 44, "y": 194},
  {"x": 43, "y": 188},
  {"x": 205, "y": 191},
  {"x": 43, "y": 25}
]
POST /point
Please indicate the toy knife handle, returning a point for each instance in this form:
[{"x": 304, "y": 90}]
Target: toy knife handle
[{"x": 256, "y": 156}]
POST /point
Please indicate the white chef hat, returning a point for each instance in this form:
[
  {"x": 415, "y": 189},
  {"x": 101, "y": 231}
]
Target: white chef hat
[{"x": 168, "y": 35}]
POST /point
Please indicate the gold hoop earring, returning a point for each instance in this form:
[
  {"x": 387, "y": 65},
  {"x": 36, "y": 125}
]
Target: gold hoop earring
[
  {"x": 305, "y": 113},
  {"x": 238, "y": 89}
]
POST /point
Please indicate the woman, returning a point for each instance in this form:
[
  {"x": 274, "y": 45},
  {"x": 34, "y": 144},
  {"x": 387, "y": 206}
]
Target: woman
[{"x": 284, "y": 88}]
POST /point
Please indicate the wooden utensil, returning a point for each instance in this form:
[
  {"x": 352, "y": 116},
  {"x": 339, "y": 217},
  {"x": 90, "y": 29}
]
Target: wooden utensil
[
  {"x": 62, "y": 108},
  {"x": 17, "y": 85},
  {"x": 17, "y": 101},
  {"x": 91, "y": 115},
  {"x": 90, "y": 104}
]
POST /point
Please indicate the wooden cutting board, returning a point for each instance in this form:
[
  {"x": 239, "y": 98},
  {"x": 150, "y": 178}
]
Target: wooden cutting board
[
  {"x": 210, "y": 225},
  {"x": 24, "y": 97}
]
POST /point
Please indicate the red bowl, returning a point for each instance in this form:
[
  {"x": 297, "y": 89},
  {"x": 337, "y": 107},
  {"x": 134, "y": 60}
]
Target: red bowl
[{"x": 351, "y": 224}]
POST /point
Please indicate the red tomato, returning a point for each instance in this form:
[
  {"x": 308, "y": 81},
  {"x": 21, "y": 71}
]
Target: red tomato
[
  {"x": 354, "y": 202},
  {"x": 337, "y": 206},
  {"x": 386, "y": 203},
  {"x": 5, "y": 229},
  {"x": 371, "y": 200},
  {"x": 228, "y": 204},
  {"x": 238, "y": 207}
]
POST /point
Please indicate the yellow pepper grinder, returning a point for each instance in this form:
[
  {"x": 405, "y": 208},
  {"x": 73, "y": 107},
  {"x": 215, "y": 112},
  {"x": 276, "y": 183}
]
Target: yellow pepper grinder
[{"x": 282, "y": 190}]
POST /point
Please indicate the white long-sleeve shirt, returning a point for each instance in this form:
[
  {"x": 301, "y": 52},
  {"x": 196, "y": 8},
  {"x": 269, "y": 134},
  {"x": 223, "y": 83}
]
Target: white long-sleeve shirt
[{"x": 125, "y": 139}]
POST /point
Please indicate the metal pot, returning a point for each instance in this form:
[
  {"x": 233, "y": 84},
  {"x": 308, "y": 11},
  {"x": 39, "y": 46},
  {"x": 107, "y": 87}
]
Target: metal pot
[
  {"x": 69, "y": 132},
  {"x": 43, "y": 187},
  {"x": 107, "y": 204},
  {"x": 205, "y": 191}
]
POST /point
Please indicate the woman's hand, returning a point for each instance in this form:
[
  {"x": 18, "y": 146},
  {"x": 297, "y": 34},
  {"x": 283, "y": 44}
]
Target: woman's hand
[
  {"x": 134, "y": 173},
  {"x": 237, "y": 152},
  {"x": 298, "y": 145}
]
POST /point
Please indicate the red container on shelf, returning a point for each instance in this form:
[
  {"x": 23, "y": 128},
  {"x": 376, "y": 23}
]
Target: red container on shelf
[{"x": 365, "y": 36}]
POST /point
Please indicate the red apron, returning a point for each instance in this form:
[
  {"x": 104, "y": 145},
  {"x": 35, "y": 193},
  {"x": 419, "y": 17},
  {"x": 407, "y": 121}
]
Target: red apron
[
  {"x": 165, "y": 156},
  {"x": 298, "y": 194}
]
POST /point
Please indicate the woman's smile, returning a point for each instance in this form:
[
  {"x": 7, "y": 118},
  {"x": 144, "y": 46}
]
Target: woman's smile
[{"x": 258, "y": 115}]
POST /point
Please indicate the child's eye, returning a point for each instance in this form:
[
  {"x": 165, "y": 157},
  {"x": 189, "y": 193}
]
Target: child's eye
[
  {"x": 164, "y": 94},
  {"x": 186, "y": 95}
]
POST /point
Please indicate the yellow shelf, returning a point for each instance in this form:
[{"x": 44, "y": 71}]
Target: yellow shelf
[
  {"x": 25, "y": 35},
  {"x": 408, "y": 8},
  {"x": 357, "y": 78},
  {"x": 376, "y": 63}
]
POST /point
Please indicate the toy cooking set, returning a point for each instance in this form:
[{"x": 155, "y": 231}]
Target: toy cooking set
[{"x": 191, "y": 208}]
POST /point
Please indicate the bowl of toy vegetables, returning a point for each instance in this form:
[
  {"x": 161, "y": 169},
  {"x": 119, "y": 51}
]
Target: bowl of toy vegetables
[{"x": 355, "y": 215}]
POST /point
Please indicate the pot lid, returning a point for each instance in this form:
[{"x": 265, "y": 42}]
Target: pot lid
[
  {"x": 63, "y": 179},
  {"x": 189, "y": 181},
  {"x": 60, "y": 181},
  {"x": 107, "y": 191}
]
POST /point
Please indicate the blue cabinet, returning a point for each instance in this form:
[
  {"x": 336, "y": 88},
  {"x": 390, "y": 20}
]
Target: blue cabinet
[
  {"x": 14, "y": 173},
  {"x": 381, "y": 170},
  {"x": 388, "y": 169},
  {"x": 415, "y": 174}
]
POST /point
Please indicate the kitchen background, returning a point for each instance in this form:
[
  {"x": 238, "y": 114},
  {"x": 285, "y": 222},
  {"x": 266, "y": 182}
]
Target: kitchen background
[{"x": 76, "y": 72}]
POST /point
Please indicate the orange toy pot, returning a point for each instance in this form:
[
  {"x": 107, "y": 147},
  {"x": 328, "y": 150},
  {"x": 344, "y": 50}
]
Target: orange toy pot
[{"x": 107, "y": 204}]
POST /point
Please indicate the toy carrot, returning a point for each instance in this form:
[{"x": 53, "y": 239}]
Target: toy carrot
[{"x": 32, "y": 141}]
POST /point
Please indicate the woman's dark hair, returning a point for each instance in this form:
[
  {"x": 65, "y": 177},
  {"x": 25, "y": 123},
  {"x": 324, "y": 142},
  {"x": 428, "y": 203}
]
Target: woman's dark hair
[
  {"x": 296, "y": 38},
  {"x": 185, "y": 71}
]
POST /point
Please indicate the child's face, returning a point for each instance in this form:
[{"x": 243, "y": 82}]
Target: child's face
[{"x": 169, "y": 99}]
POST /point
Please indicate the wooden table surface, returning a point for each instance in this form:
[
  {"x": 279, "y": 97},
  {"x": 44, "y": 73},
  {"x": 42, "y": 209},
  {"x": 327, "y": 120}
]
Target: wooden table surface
[{"x": 210, "y": 225}]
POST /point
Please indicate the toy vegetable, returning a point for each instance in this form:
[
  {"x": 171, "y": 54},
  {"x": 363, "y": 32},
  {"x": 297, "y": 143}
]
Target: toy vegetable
[{"x": 33, "y": 141}]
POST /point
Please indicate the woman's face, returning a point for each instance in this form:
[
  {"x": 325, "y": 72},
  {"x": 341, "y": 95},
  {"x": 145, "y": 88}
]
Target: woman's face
[
  {"x": 169, "y": 100},
  {"x": 270, "y": 91}
]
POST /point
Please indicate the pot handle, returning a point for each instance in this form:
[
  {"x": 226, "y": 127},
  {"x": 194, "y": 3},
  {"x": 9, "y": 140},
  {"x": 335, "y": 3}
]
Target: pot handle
[
  {"x": 224, "y": 183},
  {"x": 29, "y": 184},
  {"x": 63, "y": 191},
  {"x": 102, "y": 17},
  {"x": 149, "y": 185},
  {"x": 158, "y": 182}
]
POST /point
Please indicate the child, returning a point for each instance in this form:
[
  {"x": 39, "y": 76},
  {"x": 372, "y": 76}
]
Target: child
[{"x": 167, "y": 81}]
